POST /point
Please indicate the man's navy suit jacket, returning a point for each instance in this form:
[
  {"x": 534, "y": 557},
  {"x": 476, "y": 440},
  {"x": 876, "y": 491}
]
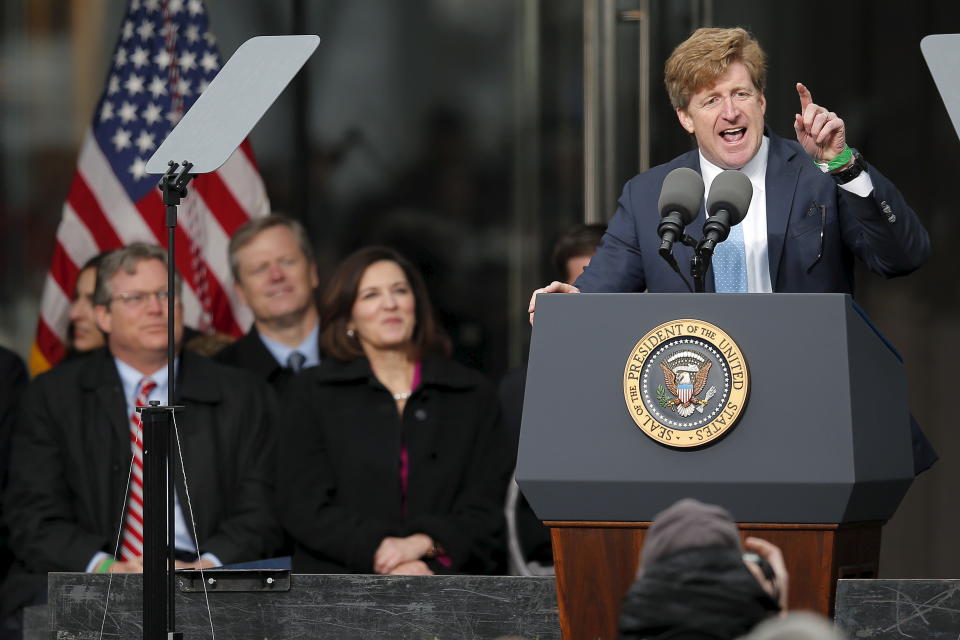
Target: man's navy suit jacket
[{"x": 880, "y": 229}]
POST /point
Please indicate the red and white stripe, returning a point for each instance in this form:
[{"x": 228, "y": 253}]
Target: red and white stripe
[
  {"x": 99, "y": 216},
  {"x": 131, "y": 544}
]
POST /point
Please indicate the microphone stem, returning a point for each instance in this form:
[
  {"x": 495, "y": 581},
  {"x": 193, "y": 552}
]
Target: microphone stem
[
  {"x": 666, "y": 242},
  {"x": 698, "y": 270}
]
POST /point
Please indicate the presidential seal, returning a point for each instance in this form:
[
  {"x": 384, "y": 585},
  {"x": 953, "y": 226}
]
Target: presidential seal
[{"x": 686, "y": 383}]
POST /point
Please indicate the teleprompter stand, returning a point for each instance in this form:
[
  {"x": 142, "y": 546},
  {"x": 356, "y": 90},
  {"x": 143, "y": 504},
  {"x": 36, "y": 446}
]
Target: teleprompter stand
[
  {"x": 208, "y": 134},
  {"x": 158, "y": 523},
  {"x": 159, "y": 561}
]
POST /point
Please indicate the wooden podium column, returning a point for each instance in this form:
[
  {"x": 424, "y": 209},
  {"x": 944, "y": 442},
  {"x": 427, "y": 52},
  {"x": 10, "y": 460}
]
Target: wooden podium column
[{"x": 596, "y": 563}]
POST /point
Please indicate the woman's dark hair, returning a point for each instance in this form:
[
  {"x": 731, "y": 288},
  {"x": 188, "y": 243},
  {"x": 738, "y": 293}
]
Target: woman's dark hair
[
  {"x": 93, "y": 261},
  {"x": 336, "y": 307}
]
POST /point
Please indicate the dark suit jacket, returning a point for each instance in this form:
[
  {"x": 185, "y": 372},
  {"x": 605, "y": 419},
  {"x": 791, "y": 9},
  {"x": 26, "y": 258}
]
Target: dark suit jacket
[
  {"x": 71, "y": 456},
  {"x": 13, "y": 378},
  {"x": 338, "y": 466},
  {"x": 881, "y": 230},
  {"x": 251, "y": 354}
]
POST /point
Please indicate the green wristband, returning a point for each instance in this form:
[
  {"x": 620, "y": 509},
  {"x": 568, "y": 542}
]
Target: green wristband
[
  {"x": 106, "y": 564},
  {"x": 838, "y": 162}
]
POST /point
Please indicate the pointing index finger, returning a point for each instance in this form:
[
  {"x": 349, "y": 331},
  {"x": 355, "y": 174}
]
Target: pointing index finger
[{"x": 805, "y": 97}]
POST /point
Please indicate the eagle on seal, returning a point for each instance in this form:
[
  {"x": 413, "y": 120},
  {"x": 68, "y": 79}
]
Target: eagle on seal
[{"x": 685, "y": 383}]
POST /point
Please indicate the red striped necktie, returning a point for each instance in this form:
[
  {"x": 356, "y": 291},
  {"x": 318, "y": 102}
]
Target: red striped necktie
[{"x": 132, "y": 544}]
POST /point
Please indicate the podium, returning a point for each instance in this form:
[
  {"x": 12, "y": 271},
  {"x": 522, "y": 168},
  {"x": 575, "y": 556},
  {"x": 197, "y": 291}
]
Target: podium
[{"x": 819, "y": 459}]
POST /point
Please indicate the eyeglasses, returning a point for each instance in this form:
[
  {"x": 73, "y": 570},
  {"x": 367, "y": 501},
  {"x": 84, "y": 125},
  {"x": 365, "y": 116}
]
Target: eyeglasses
[{"x": 137, "y": 299}]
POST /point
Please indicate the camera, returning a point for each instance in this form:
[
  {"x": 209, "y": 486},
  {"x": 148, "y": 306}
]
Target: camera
[{"x": 763, "y": 565}]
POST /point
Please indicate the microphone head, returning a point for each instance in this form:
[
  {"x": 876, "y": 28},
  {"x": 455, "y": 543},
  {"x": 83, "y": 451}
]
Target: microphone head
[
  {"x": 731, "y": 191},
  {"x": 682, "y": 192}
]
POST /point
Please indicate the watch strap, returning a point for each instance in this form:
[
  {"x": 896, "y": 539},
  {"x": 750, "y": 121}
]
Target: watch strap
[{"x": 851, "y": 172}]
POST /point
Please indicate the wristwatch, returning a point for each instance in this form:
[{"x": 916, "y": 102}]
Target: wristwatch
[{"x": 851, "y": 172}]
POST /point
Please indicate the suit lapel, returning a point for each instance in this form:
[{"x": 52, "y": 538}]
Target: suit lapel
[
  {"x": 783, "y": 171},
  {"x": 107, "y": 433},
  {"x": 198, "y": 392},
  {"x": 109, "y": 390},
  {"x": 256, "y": 355}
]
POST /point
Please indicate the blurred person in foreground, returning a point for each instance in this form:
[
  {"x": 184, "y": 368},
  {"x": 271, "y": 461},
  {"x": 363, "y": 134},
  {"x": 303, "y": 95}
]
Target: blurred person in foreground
[
  {"x": 799, "y": 625},
  {"x": 275, "y": 274},
  {"x": 391, "y": 457},
  {"x": 78, "y": 446},
  {"x": 694, "y": 582}
]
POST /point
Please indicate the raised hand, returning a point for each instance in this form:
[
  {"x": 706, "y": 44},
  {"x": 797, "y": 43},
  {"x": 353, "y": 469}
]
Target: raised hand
[
  {"x": 780, "y": 586},
  {"x": 820, "y": 132}
]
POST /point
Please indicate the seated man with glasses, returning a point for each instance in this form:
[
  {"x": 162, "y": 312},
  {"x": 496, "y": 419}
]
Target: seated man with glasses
[{"x": 75, "y": 495}]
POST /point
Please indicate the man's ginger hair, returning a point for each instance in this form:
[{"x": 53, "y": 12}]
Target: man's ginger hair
[{"x": 700, "y": 60}]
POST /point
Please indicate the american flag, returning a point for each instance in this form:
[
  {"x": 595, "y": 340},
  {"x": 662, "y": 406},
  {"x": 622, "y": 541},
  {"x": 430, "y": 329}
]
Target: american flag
[{"x": 164, "y": 58}]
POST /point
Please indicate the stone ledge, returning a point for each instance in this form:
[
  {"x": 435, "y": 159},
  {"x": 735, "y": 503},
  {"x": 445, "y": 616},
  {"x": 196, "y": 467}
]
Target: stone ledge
[
  {"x": 345, "y": 607},
  {"x": 882, "y": 609}
]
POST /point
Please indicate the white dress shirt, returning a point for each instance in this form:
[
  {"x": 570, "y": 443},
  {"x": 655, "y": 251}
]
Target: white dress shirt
[
  {"x": 131, "y": 379},
  {"x": 310, "y": 348},
  {"x": 755, "y": 222}
]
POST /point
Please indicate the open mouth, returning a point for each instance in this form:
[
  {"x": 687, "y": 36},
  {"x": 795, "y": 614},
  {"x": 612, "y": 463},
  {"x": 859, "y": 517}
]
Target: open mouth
[{"x": 733, "y": 135}]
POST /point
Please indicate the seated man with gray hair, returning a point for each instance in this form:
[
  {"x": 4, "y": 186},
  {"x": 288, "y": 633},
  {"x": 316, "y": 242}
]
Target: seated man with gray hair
[{"x": 75, "y": 495}]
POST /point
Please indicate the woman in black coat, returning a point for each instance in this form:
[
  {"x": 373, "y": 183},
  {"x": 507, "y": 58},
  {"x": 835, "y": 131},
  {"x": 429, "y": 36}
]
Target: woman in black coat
[{"x": 392, "y": 458}]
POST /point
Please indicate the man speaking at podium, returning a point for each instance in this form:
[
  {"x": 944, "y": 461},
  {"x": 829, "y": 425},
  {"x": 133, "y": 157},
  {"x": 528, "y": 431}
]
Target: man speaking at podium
[{"x": 816, "y": 202}]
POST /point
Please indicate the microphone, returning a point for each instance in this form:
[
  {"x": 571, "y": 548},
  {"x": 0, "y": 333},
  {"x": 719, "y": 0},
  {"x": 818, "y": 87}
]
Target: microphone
[
  {"x": 727, "y": 204},
  {"x": 680, "y": 198}
]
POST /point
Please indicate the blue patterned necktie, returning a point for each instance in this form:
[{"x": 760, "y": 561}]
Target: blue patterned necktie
[
  {"x": 730, "y": 263},
  {"x": 295, "y": 361}
]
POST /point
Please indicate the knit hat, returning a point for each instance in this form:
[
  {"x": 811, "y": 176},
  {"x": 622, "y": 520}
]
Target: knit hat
[{"x": 689, "y": 524}]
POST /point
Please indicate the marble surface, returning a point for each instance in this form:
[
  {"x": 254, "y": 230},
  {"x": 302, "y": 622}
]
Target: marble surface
[
  {"x": 897, "y": 609},
  {"x": 345, "y": 607}
]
